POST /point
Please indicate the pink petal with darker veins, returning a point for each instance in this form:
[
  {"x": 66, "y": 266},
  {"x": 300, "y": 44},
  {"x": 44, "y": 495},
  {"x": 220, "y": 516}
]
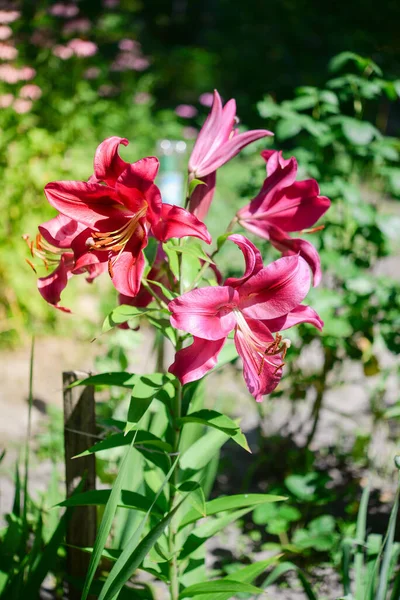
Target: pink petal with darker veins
[
  {"x": 51, "y": 286},
  {"x": 193, "y": 362},
  {"x": 252, "y": 258},
  {"x": 88, "y": 203},
  {"x": 300, "y": 314},
  {"x": 290, "y": 246},
  {"x": 176, "y": 222},
  {"x": 61, "y": 231},
  {"x": 127, "y": 268},
  {"x": 205, "y": 312},
  {"x": 275, "y": 290},
  {"x": 108, "y": 165},
  {"x": 230, "y": 149},
  {"x": 260, "y": 370},
  {"x": 201, "y": 198}
]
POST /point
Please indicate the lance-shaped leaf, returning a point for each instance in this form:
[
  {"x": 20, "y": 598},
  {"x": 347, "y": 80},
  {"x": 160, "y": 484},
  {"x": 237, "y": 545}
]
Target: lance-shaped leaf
[
  {"x": 145, "y": 390},
  {"x": 245, "y": 575},
  {"x": 125, "y": 312},
  {"x": 220, "y": 585},
  {"x": 213, "y": 418},
  {"x": 127, "y": 499},
  {"x": 138, "y": 437},
  {"x": 226, "y": 503}
]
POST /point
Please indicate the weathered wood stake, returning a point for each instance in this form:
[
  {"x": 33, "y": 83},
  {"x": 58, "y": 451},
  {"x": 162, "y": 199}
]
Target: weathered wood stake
[{"x": 79, "y": 429}]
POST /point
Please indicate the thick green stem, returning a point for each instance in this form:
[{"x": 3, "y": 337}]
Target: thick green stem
[{"x": 173, "y": 565}]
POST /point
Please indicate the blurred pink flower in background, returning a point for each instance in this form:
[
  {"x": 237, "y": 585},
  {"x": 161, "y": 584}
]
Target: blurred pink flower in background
[
  {"x": 8, "y": 74},
  {"x": 11, "y": 74},
  {"x": 126, "y": 62},
  {"x": 82, "y": 48},
  {"x": 141, "y": 64},
  {"x": 26, "y": 73},
  {"x": 6, "y": 100},
  {"x": 9, "y": 16},
  {"x": 81, "y": 25},
  {"x": 206, "y": 99},
  {"x": 5, "y": 32},
  {"x": 186, "y": 111},
  {"x": 22, "y": 106},
  {"x": 189, "y": 133},
  {"x": 128, "y": 45},
  {"x": 62, "y": 9},
  {"x": 62, "y": 52},
  {"x": 92, "y": 73},
  {"x": 8, "y": 52},
  {"x": 142, "y": 98},
  {"x": 30, "y": 91},
  {"x": 111, "y": 3}
]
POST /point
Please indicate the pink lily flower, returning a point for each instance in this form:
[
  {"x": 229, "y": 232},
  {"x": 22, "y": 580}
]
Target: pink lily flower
[
  {"x": 119, "y": 207},
  {"x": 284, "y": 205},
  {"x": 54, "y": 247},
  {"x": 217, "y": 142},
  {"x": 263, "y": 301}
]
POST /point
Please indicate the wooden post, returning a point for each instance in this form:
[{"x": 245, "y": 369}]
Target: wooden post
[{"x": 79, "y": 432}]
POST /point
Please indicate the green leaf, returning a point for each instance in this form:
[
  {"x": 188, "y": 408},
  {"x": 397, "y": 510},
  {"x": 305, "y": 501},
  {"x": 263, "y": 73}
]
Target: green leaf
[
  {"x": 234, "y": 502},
  {"x": 119, "y": 379},
  {"x": 106, "y": 522},
  {"x": 127, "y": 499},
  {"x": 288, "y": 128},
  {"x": 220, "y": 585},
  {"x": 245, "y": 575},
  {"x": 124, "y": 313},
  {"x": 208, "y": 529},
  {"x": 47, "y": 560},
  {"x": 145, "y": 390},
  {"x": 358, "y": 132},
  {"x": 192, "y": 249},
  {"x": 193, "y": 185},
  {"x": 197, "y": 456},
  {"x": 117, "y": 440},
  {"x": 135, "y": 551},
  {"x": 212, "y": 418},
  {"x": 166, "y": 292},
  {"x": 196, "y": 495}
]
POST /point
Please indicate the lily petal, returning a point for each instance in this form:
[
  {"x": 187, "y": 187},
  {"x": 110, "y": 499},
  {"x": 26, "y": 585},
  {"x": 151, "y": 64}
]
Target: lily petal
[
  {"x": 289, "y": 246},
  {"x": 61, "y": 231},
  {"x": 300, "y": 314},
  {"x": 87, "y": 203},
  {"x": 260, "y": 370},
  {"x": 202, "y": 196},
  {"x": 177, "y": 222},
  {"x": 252, "y": 258},
  {"x": 51, "y": 286},
  {"x": 196, "y": 360},
  {"x": 206, "y": 136},
  {"x": 230, "y": 149},
  {"x": 205, "y": 312},
  {"x": 136, "y": 185},
  {"x": 108, "y": 165},
  {"x": 275, "y": 290},
  {"x": 127, "y": 268}
]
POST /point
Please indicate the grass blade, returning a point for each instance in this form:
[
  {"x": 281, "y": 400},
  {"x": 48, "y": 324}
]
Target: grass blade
[
  {"x": 384, "y": 574},
  {"x": 360, "y": 539}
]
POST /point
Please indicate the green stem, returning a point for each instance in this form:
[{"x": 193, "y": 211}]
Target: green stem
[{"x": 173, "y": 565}]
